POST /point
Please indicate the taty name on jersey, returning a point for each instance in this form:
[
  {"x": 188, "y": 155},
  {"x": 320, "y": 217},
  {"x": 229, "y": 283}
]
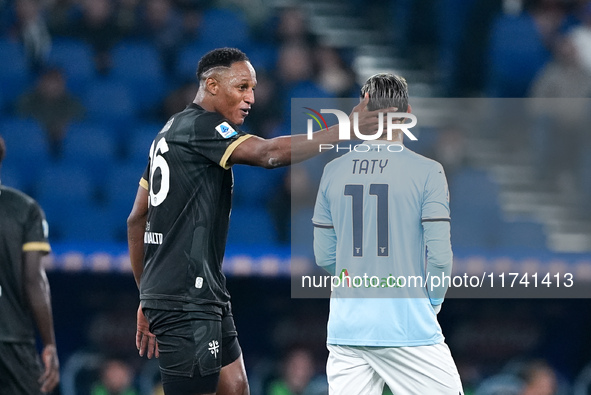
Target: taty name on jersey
[{"x": 368, "y": 166}]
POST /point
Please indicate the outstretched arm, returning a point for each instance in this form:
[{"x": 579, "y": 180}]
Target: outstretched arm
[
  {"x": 39, "y": 297},
  {"x": 145, "y": 341},
  {"x": 286, "y": 150}
]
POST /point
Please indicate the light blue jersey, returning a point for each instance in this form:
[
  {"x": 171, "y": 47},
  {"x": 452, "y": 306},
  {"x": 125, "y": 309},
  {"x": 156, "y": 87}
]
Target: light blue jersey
[{"x": 375, "y": 214}]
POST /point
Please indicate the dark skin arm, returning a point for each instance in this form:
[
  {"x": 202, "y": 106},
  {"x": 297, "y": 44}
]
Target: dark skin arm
[
  {"x": 39, "y": 297},
  {"x": 145, "y": 341},
  {"x": 287, "y": 150},
  {"x": 136, "y": 225}
]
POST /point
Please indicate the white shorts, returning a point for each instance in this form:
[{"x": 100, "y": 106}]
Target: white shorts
[{"x": 421, "y": 370}]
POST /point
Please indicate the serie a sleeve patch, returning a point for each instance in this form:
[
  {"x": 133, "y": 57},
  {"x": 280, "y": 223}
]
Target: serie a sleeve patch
[{"x": 225, "y": 130}]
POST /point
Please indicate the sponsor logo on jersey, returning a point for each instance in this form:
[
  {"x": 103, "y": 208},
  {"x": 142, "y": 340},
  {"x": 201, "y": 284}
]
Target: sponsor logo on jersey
[
  {"x": 152, "y": 238},
  {"x": 225, "y": 130}
]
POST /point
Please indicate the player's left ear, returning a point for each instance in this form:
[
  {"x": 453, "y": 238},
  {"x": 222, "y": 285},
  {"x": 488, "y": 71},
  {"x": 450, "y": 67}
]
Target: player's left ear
[
  {"x": 212, "y": 85},
  {"x": 409, "y": 110}
]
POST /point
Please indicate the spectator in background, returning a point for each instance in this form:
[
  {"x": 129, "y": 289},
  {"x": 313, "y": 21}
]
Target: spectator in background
[
  {"x": 127, "y": 16},
  {"x": 98, "y": 28},
  {"x": 539, "y": 379},
  {"x": 559, "y": 133},
  {"x": 162, "y": 26},
  {"x": 293, "y": 27},
  {"x": 333, "y": 74},
  {"x": 581, "y": 38},
  {"x": 61, "y": 16},
  {"x": 298, "y": 376},
  {"x": 52, "y": 105},
  {"x": 295, "y": 63},
  {"x": 116, "y": 379},
  {"x": 565, "y": 75},
  {"x": 30, "y": 28},
  {"x": 450, "y": 150}
]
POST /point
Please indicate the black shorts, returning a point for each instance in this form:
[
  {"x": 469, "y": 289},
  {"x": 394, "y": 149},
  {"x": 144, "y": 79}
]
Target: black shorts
[
  {"x": 193, "y": 348},
  {"x": 20, "y": 369}
]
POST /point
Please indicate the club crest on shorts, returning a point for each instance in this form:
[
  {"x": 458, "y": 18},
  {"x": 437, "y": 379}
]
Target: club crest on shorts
[
  {"x": 214, "y": 347},
  {"x": 225, "y": 130}
]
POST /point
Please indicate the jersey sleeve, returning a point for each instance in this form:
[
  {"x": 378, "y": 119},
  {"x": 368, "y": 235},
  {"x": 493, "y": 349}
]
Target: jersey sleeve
[
  {"x": 145, "y": 177},
  {"x": 435, "y": 205},
  {"x": 325, "y": 240},
  {"x": 436, "y": 227},
  {"x": 216, "y": 138},
  {"x": 322, "y": 217},
  {"x": 36, "y": 231}
]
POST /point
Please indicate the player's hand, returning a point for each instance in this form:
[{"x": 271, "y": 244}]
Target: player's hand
[
  {"x": 145, "y": 341},
  {"x": 51, "y": 369},
  {"x": 369, "y": 121},
  {"x": 437, "y": 308}
]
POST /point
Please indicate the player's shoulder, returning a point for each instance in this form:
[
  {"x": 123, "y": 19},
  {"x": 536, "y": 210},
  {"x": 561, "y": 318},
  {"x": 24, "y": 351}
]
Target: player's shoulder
[
  {"x": 422, "y": 162},
  {"x": 9, "y": 194},
  {"x": 335, "y": 164},
  {"x": 16, "y": 201},
  {"x": 199, "y": 120}
]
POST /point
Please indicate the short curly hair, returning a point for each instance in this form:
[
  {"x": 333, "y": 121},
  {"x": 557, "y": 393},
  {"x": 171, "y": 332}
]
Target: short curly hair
[
  {"x": 386, "y": 90},
  {"x": 219, "y": 57}
]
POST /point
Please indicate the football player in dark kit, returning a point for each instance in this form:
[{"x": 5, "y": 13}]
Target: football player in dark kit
[
  {"x": 25, "y": 299},
  {"x": 178, "y": 226}
]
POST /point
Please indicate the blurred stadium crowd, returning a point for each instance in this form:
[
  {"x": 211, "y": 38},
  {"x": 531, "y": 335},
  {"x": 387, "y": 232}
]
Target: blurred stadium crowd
[{"x": 86, "y": 84}]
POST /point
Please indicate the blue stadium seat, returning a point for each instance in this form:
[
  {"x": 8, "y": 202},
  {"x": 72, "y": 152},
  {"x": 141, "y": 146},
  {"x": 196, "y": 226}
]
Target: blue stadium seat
[
  {"x": 262, "y": 56},
  {"x": 3, "y": 102},
  {"x": 306, "y": 90},
  {"x": 14, "y": 69},
  {"x": 139, "y": 141},
  {"x": 122, "y": 184},
  {"x": 90, "y": 146},
  {"x": 516, "y": 54},
  {"x": 223, "y": 28},
  {"x": 27, "y": 148},
  {"x": 250, "y": 226},
  {"x": 11, "y": 177},
  {"x": 109, "y": 101},
  {"x": 188, "y": 57},
  {"x": 65, "y": 185},
  {"x": 475, "y": 210},
  {"x": 523, "y": 234},
  {"x": 120, "y": 190},
  {"x": 137, "y": 65},
  {"x": 75, "y": 58},
  {"x": 302, "y": 231},
  {"x": 255, "y": 185},
  {"x": 84, "y": 223}
]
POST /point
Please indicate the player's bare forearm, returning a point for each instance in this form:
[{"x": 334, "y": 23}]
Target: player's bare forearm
[
  {"x": 284, "y": 150},
  {"x": 136, "y": 225},
  {"x": 287, "y": 150},
  {"x": 38, "y": 295}
]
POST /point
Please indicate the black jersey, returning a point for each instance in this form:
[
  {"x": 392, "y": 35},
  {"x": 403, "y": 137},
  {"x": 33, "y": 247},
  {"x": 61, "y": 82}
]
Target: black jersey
[
  {"x": 190, "y": 197},
  {"x": 22, "y": 228}
]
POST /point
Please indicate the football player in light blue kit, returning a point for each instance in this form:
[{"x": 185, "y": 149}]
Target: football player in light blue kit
[{"x": 378, "y": 212}]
